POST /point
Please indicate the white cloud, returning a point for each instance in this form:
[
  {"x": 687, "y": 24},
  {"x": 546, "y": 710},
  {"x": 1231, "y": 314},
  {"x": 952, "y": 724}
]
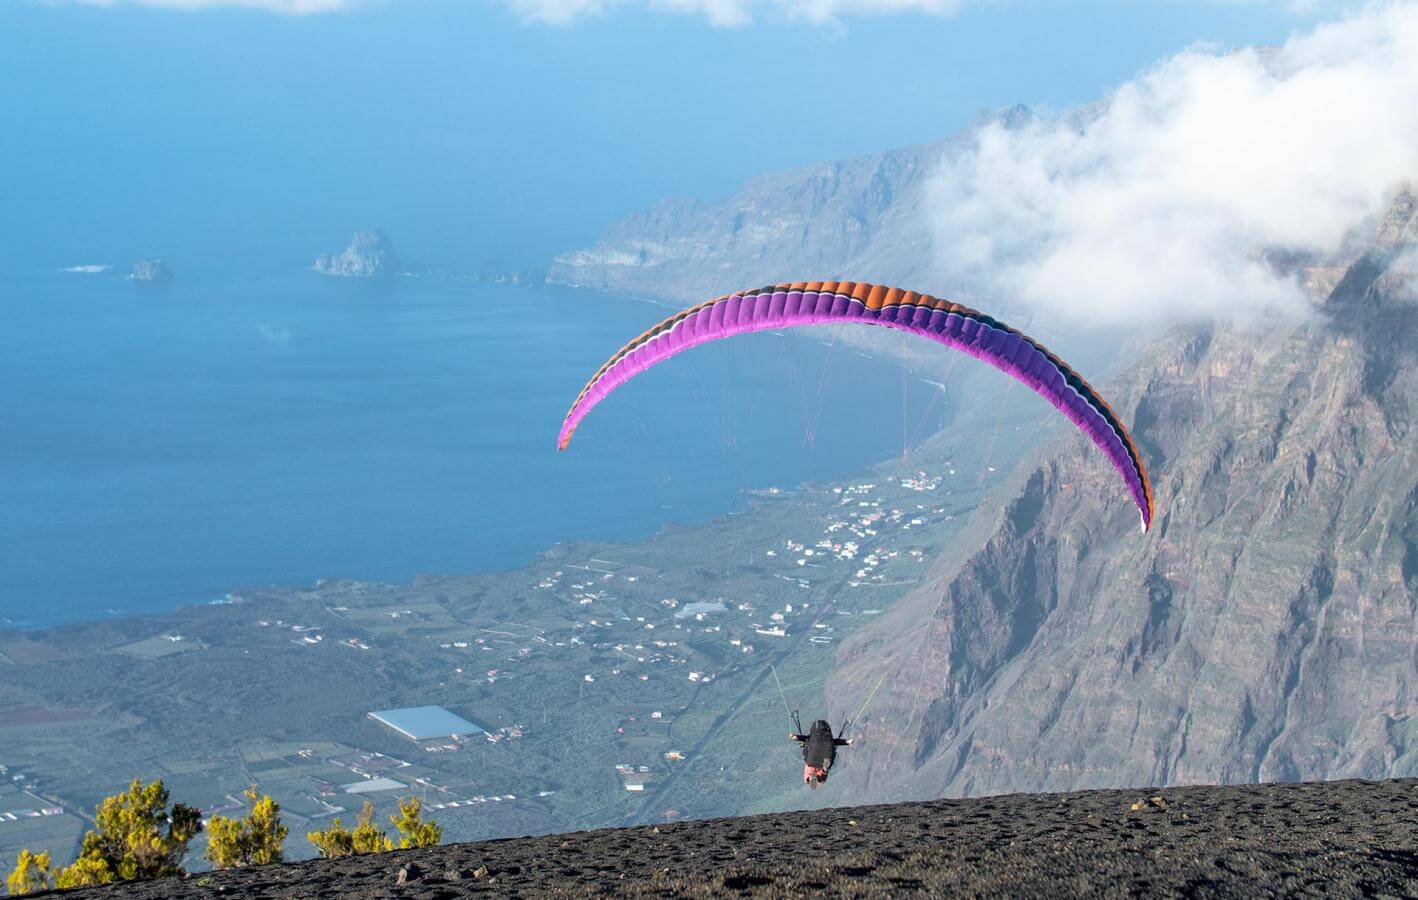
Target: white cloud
[
  {"x": 285, "y": 7},
  {"x": 717, "y": 12},
  {"x": 560, "y": 12},
  {"x": 1155, "y": 207}
]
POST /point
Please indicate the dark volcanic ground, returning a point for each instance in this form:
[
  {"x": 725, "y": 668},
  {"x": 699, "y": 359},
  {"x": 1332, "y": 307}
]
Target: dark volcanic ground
[{"x": 1343, "y": 838}]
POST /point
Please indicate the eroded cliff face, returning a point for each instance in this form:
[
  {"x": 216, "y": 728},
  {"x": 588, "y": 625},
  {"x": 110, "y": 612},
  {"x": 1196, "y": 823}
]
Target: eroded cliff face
[{"x": 1265, "y": 629}]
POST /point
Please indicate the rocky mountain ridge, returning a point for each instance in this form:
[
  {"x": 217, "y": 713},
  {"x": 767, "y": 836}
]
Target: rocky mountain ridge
[
  {"x": 1265, "y": 629},
  {"x": 865, "y": 216}
]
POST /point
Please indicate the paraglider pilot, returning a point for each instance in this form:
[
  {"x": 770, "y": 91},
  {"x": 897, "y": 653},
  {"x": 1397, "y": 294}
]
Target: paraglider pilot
[{"x": 819, "y": 751}]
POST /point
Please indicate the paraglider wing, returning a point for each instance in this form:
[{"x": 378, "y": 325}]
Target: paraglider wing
[{"x": 826, "y": 302}]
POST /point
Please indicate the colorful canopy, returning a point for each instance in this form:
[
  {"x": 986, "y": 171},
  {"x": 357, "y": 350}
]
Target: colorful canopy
[{"x": 828, "y": 302}]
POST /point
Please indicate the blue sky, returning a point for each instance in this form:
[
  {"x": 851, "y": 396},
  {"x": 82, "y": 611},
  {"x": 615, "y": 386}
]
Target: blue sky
[{"x": 468, "y": 131}]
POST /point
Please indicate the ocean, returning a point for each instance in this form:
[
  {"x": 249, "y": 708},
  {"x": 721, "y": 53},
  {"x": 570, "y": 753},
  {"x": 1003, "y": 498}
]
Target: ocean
[{"x": 166, "y": 445}]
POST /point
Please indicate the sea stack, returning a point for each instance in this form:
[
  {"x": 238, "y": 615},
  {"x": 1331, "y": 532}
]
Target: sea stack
[
  {"x": 151, "y": 271},
  {"x": 369, "y": 255}
]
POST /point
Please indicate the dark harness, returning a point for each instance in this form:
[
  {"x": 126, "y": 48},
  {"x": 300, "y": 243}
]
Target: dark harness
[{"x": 820, "y": 748}]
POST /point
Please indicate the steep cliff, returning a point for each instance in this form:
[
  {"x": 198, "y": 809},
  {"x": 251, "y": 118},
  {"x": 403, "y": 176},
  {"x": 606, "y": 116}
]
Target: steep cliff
[{"x": 1265, "y": 629}]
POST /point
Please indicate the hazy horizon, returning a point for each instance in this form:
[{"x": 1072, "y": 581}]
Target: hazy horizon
[{"x": 218, "y": 135}]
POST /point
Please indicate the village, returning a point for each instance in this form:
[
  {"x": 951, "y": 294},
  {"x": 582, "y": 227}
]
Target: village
[{"x": 614, "y": 649}]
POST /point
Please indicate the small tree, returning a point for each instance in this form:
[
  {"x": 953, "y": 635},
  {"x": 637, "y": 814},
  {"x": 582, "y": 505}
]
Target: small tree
[
  {"x": 334, "y": 841},
  {"x": 137, "y": 837},
  {"x": 368, "y": 837},
  {"x": 84, "y": 873},
  {"x": 252, "y": 841},
  {"x": 33, "y": 872},
  {"x": 414, "y": 830},
  {"x": 337, "y": 840}
]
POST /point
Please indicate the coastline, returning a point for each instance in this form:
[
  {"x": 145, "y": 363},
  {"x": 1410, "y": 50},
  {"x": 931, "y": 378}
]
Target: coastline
[{"x": 276, "y": 340}]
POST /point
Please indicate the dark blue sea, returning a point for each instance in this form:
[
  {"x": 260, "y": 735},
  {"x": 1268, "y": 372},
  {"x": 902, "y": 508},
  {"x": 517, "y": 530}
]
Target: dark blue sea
[{"x": 165, "y": 445}]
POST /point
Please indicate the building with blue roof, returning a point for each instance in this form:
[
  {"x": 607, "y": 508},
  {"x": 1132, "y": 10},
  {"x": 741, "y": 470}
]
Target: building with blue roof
[{"x": 424, "y": 723}]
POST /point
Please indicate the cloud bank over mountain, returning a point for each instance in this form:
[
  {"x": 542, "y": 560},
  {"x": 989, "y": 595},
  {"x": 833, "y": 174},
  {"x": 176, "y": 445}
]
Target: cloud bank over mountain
[{"x": 1161, "y": 202}]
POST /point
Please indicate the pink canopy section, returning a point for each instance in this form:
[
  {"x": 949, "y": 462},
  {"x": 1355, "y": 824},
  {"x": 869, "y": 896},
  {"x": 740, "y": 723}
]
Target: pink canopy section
[{"x": 829, "y": 302}]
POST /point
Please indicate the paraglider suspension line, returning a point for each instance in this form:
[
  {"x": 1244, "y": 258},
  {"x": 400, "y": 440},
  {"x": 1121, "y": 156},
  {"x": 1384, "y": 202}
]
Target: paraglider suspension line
[
  {"x": 792, "y": 713},
  {"x": 858, "y": 717}
]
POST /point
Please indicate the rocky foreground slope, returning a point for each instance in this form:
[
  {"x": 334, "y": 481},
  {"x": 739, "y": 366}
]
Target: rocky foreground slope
[{"x": 1347, "y": 838}]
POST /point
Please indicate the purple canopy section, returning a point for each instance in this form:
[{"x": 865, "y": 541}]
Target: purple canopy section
[{"x": 943, "y": 322}]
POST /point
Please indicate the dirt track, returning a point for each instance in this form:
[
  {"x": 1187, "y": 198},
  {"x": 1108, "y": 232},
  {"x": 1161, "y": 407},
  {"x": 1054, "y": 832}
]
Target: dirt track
[{"x": 1343, "y": 838}]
